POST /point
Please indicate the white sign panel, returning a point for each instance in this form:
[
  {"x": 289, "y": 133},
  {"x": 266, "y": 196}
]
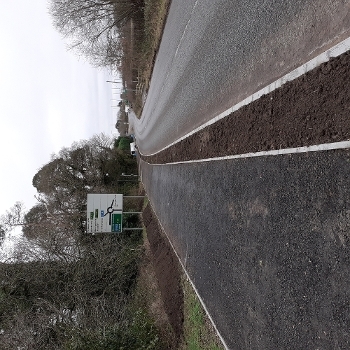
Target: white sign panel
[{"x": 104, "y": 213}]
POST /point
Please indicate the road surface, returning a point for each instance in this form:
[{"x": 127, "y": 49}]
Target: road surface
[
  {"x": 266, "y": 240},
  {"x": 214, "y": 53}
]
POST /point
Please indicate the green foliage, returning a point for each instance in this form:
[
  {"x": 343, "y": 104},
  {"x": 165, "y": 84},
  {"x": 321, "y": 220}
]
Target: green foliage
[
  {"x": 116, "y": 142},
  {"x": 85, "y": 166},
  {"x": 123, "y": 143},
  {"x": 78, "y": 296},
  {"x": 198, "y": 334},
  {"x": 137, "y": 333},
  {"x": 109, "y": 267}
]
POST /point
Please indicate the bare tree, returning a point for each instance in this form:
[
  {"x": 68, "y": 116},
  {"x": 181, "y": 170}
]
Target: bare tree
[
  {"x": 12, "y": 218},
  {"x": 2, "y": 234},
  {"x": 91, "y": 26}
]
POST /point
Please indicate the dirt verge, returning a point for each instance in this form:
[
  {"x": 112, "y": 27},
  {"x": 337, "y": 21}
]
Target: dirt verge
[{"x": 168, "y": 274}]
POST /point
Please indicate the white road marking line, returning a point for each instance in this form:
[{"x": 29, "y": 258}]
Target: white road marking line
[
  {"x": 335, "y": 51},
  {"x": 275, "y": 152},
  {"x": 185, "y": 30}
]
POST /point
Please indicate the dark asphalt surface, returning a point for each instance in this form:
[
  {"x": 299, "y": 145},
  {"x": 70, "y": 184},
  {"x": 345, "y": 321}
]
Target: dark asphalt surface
[
  {"x": 266, "y": 242},
  {"x": 214, "y": 53}
]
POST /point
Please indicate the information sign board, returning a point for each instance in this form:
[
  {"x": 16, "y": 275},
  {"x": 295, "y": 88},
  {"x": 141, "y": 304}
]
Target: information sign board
[{"x": 104, "y": 213}]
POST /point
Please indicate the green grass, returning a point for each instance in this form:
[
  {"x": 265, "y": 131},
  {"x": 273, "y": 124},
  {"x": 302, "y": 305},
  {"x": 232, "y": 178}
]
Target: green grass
[{"x": 198, "y": 332}]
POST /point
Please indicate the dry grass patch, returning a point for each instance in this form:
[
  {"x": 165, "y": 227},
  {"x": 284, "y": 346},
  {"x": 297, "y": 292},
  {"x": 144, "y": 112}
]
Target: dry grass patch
[{"x": 146, "y": 48}]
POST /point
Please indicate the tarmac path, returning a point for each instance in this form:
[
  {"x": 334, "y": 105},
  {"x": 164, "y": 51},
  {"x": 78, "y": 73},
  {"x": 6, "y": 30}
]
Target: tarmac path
[{"x": 266, "y": 242}]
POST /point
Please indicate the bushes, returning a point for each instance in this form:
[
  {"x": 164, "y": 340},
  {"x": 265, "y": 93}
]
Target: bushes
[
  {"x": 123, "y": 143},
  {"x": 84, "y": 304},
  {"x": 135, "y": 334}
]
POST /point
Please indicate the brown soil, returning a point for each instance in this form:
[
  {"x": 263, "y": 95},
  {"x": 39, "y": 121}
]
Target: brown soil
[
  {"x": 310, "y": 110},
  {"x": 168, "y": 274}
]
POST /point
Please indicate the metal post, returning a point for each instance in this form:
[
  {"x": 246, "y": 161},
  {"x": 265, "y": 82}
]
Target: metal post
[
  {"x": 132, "y": 212},
  {"x": 130, "y": 228}
]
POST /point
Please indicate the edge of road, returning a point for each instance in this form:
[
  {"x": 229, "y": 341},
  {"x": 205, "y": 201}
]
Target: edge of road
[
  {"x": 334, "y": 51},
  {"x": 187, "y": 275}
]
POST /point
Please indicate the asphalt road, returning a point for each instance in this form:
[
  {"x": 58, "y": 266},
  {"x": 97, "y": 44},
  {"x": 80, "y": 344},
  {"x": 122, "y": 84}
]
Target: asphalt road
[
  {"x": 266, "y": 242},
  {"x": 214, "y": 53}
]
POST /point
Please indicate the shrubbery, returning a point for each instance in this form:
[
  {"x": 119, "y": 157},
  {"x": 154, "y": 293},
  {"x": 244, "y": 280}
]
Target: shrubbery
[
  {"x": 83, "y": 304},
  {"x": 123, "y": 143}
]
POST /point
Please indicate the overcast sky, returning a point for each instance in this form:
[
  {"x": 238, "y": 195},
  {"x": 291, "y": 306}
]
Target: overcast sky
[{"x": 48, "y": 97}]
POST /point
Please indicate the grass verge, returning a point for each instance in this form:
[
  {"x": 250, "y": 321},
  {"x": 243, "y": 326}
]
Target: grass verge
[
  {"x": 199, "y": 334},
  {"x": 155, "y": 17},
  {"x": 139, "y": 61}
]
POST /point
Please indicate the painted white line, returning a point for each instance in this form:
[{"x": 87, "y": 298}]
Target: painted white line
[
  {"x": 189, "y": 279},
  {"x": 275, "y": 152},
  {"x": 185, "y": 30},
  {"x": 335, "y": 51}
]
